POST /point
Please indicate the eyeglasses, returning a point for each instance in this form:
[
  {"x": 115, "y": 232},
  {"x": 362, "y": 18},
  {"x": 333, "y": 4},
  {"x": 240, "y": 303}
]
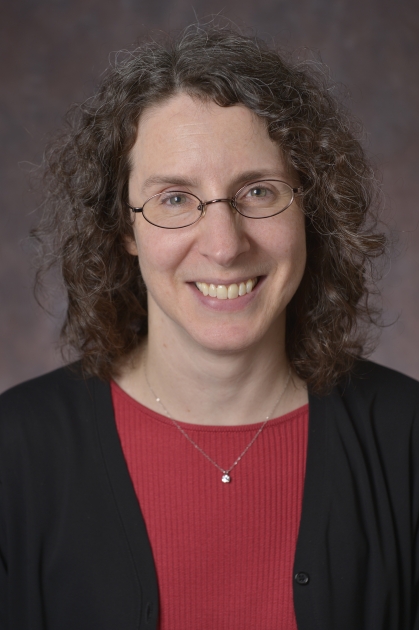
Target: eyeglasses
[{"x": 176, "y": 209}]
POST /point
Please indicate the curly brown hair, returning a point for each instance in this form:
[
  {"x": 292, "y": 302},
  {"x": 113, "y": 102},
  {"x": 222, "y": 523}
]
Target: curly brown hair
[{"x": 87, "y": 220}]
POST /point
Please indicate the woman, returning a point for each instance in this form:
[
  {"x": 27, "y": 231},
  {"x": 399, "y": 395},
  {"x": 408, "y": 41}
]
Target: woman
[{"x": 220, "y": 456}]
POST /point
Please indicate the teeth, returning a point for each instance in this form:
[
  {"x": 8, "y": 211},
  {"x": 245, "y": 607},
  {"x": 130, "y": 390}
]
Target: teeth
[
  {"x": 233, "y": 291},
  {"x": 224, "y": 292}
]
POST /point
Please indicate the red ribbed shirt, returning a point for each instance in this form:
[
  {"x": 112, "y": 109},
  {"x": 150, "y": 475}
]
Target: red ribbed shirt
[{"x": 224, "y": 553}]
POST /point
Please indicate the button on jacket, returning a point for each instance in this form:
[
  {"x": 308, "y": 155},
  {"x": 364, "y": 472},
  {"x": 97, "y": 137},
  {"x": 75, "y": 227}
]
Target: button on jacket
[{"x": 74, "y": 551}]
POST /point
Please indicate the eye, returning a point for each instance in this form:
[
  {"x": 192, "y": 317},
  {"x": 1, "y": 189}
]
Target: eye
[
  {"x": 175, "y": 199},
  {"x": 258, "y": 191}
]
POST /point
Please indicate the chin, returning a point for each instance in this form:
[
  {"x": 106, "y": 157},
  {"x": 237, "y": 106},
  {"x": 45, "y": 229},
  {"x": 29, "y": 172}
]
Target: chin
[{"x": 224, "y": 340}]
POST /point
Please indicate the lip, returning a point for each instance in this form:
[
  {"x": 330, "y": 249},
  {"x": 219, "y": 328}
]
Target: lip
[{"x": 238, "y": 304}]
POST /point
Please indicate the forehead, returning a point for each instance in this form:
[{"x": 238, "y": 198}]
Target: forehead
[
  {"x": 200, "y": 137},
  {"x": 194, "y": 114}
]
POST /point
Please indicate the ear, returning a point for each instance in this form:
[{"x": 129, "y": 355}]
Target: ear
[{"x": 131, "y": 246}]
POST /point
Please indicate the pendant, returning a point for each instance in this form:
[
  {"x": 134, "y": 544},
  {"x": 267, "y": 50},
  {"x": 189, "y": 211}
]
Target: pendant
[{"x": 226, "y": 478}]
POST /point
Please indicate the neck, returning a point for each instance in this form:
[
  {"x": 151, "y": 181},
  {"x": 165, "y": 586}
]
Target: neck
[{"x": 200, "y": 386}]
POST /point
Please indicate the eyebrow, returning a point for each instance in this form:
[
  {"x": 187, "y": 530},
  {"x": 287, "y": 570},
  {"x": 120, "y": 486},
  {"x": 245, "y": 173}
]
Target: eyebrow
[
  {"x": 240, "y": 180},
  {"x": 170, "y": 180}
]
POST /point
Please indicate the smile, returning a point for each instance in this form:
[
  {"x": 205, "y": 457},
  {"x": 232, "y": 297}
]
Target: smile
[{"x": 227, "y": 291}]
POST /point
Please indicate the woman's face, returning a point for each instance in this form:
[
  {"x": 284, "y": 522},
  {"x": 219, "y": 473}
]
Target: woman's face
[{"x": 212, "y": 151}]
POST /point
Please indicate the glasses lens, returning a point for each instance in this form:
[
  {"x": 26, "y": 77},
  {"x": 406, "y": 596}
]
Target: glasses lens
[
  {"x": 264, "y": 199},
  {"x": 173, "y": 209}
]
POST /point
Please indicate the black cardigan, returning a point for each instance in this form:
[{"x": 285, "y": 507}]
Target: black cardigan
[{"x": 74, "y": 552}]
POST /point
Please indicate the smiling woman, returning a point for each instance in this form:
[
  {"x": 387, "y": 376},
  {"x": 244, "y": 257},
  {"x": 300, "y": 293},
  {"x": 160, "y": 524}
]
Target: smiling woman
[
  {"x": 89, "y": 165},
  {"x": 221, "y": 455}
]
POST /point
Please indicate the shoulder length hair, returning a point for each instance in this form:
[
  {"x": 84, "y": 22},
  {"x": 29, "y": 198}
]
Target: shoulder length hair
[{"x": 86, "y": 219}]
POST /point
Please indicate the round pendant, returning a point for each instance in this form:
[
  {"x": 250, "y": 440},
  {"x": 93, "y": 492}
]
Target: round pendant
[{"x": 226, "y": 478}]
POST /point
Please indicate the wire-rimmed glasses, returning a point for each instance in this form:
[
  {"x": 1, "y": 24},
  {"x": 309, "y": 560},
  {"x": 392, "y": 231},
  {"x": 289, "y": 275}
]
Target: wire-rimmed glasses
[{"x": 176, "y": 209}]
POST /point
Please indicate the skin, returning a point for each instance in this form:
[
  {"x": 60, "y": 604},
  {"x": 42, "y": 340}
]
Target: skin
[{"x": 204, "y": 354}]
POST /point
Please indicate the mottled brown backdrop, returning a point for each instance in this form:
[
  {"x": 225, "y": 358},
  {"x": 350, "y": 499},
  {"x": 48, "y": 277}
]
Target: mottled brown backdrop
[{"x": 53, "y": 53}]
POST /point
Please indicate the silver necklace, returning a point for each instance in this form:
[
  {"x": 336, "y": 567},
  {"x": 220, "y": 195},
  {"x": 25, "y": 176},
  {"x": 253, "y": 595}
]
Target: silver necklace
[{"x": 226, "y": 477}]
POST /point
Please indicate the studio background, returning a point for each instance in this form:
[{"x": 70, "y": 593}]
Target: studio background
[{"x": 53, "y": 54}]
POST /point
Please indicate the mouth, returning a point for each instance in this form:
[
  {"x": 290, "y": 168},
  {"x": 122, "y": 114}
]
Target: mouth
[{"x": 227, "y": 291}]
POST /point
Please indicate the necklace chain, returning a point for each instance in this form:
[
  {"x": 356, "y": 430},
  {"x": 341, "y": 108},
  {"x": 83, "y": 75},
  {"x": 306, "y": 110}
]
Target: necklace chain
[{"x": 226, "y": 478}]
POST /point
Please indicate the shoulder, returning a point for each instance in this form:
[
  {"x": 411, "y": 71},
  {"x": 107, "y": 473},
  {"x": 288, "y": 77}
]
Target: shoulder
[
  {"x": 46, "y": 391},
  {"x": 375, "y": 406},
  {"x": 381, "y": 388},
  {"x": 53, "y": 404},
  {"x": 379, "y": 376}
]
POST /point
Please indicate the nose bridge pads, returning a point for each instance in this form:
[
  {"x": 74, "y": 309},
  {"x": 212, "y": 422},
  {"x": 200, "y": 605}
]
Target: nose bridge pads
[
  {"x": 203, "y": 209},
  {"x": 231, "y": 202}
]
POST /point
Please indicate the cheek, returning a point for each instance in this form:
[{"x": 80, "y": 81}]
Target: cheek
[
  {"x": 298, "y": 260},
  {"x": 298, "y": 254},
  {"x": 297, "y": 244},
  {"x": 159, "y": 254},
  {"x": 290, "y": 254},
  {"x": 287, "y": 243}
]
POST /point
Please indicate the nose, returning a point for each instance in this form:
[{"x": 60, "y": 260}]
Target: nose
[{"x": 222, "y": 236}]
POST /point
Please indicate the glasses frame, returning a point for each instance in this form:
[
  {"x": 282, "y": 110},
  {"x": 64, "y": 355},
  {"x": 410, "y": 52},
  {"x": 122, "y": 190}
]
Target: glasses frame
[{"x": 202, "y": 205}]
